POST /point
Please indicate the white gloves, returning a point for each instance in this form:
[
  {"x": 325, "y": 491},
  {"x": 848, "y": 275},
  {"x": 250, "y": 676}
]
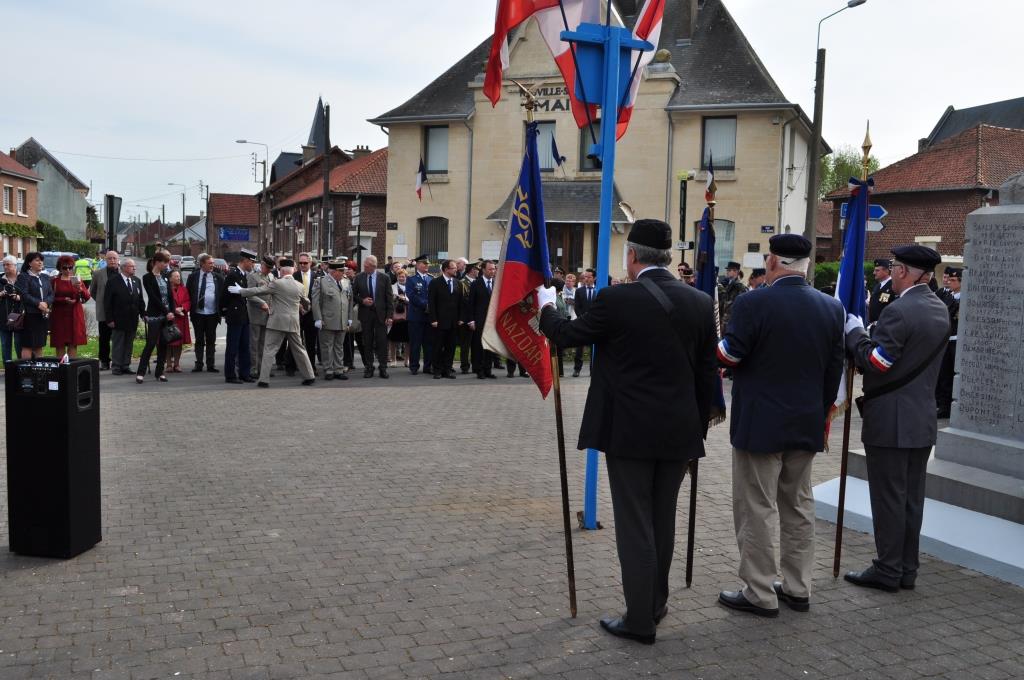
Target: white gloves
[
  {"x": 319, "y": 324},
  {"x": 853, "y": 322},
  {"x": 546, "y": 296},
  {"x": 235, "y": 288}
]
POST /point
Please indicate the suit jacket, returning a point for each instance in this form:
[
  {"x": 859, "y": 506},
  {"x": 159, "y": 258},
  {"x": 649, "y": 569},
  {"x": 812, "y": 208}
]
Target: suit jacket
[
  {"x": 34, "y": 290},
  {"x": 383, "y": 302},
  {"x": 416, "y": 290},
  {"x": 477, "y": 302},
  {"x": 650, "y": 395},
  {"x": 235, "y": 308},
  {"x": 192, "y": 286},
  {"x": 443, "y": 306},
  {"x": 156, "y": 304},
  {"x": 907, "y": 332},
  {"x": 284, "y": 297},
  {"x": 881, "y": 297},
  {"x": 257, "y": 317},
  {"x": 580, "y": 303},
  {"x": 98, "y": 286},
  {"x": 332, "y": 303},
  {"x": 785, "y": 346},
  {"x": 122, "y": 306}
]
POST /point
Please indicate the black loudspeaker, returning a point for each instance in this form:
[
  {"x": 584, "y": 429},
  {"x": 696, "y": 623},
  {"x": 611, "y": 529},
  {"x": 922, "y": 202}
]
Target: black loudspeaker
[{"x": 53, "y": 456}]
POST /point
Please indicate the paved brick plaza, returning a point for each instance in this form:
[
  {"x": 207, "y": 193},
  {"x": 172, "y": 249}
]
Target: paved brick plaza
[{"x": 411, "y": 528}]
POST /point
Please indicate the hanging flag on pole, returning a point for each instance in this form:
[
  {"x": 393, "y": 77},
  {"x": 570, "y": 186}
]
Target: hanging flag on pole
[
  {"x": 647, "y": 27},
  {"x": 559, "y": 159},
  {"x": 710, "y": 188},
  {"x": 511, "y": 13},
  {"x": 707, "y": 281},
  {"x": 421, "y": 179},
  {"x": 512, "y": 328}
]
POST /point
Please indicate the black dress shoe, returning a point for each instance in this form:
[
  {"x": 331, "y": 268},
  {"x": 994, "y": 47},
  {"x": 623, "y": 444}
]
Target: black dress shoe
[
  {"x": 198, "y": 368},
  {"x": 492, "y": 376},
  {"x": 384, "y": 373},
  {"x": 575, "y": 374},
  {"x": 262, "y": 384},
  {"x": 329, "y": 376},
  {"x": 233, "y": 381},
  {"x": 211, "y": 369},
  {"x": 105, "y": 366},
  {"x": 309, "y": 381},
  {"x": 797, "y": 604},
  {"x": 481, "y": 376},
  {"x": 367, "y": 372},
  {"x": 414, "y": 371},
  {"x": 734, "y": 599},
  {"x": 116, "y": 371},
  {"x": 869, "y": 578},
  {"x": 248, "y": 380},
  {"x": 908, "y": 582},
  {"x": 616, "y": 627},
  {"x": 658, "y": 616},
  {"x": 340, "y": 376}
]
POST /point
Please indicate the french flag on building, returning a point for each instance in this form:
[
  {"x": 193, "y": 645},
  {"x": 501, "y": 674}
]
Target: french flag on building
[
  {"x": 647, "y": 27},
  {"x": 512, "y": 328},
  {"x": 710, "y": 188},
  {"x": 421, "y": 179}
]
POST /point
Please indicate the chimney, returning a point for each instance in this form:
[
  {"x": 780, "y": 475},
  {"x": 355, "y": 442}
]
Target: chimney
[
  {"x": 14, "y": 153},
  {"x": 308, "y": 153},
  {"x": 360, "y": 151},
  {"x": 922, "y": 144}
]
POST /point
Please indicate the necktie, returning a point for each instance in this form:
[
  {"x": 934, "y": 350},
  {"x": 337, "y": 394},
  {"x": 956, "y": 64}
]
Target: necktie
[
  {"x": 202, "y": 293},
  {"x": 488, "y": 285},
  {"x": 451, "y": 287},
  {"x": 590, "y": 293},
  {"x": 373, "y": 288},
  {"x": 305, "y": 284}
]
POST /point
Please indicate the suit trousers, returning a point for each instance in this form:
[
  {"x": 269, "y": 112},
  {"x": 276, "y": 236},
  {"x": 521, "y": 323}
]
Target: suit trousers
[
  {"x": 204, "y": 328},
  {"x": 237, "y": 360},
  {"x": 154, "y": 339},
  {"x": 896, "y": 480},
  {"x": 465, "y": 343},
  {"x": 421, "y": 335},
  {"x": 272, "y": 343},
  {"x": 644, "y": 495},
  {"x": 310, "y": 336},
  {"x": 332, "y": 351},
  {"x": 444, "y": 349},
  {"x": 766, "y": 486},
  {"x": 121, "y": 351},
  {"x": 375, "y": 342},
  {"x": 104, "y": 342},
  {"x": 482, "y": 359},
  {"x": 257, "y": 333}
]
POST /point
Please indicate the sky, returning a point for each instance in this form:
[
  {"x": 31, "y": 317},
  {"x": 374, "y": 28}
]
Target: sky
[{"x": 178, "y": 83}]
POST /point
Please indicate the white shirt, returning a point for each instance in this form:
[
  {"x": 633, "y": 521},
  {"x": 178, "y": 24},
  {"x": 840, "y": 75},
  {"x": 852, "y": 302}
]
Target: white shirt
[{"x": 210, "y": 294}]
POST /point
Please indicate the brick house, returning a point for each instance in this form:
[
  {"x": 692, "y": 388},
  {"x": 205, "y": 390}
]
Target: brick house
[
  {"x": 233, "y": 223},
  {"x": 929, "y": 195},
  {"x": 20, "y": 206},
  {"x": 363, "y": 178}
]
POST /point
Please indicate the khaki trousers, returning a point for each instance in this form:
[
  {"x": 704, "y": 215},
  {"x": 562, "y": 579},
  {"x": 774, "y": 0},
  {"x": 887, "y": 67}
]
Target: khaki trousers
[
  {"x": 273, "y": 341},
  {"x": 332, "y": 351},
  {"x": 766, "y": 486},
  {"x": 256, "y": 338}
]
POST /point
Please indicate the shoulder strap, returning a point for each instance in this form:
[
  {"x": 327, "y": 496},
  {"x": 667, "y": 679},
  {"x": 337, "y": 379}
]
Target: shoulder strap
[
  {"x": 670, "y": 309},
  {"x": 909, "y": 377}
]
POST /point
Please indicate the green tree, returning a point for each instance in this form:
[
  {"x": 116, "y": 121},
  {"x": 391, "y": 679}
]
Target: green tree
[{"x": 839, "y": 166}]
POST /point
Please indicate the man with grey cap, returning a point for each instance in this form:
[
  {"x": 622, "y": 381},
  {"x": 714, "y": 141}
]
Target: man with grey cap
[
  {"x": 652, "y": 386},
  {"x": 258, "y": 312},
  {"x": 784, "y": 344},
  {"x": 332, "y": 309},
  {"x": 900, "y": 361}
]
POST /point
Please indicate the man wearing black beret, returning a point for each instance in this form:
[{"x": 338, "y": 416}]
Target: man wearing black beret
[
  {"x": 900, "y": 361},
  {"x": 881, "y": 292},
  {"x": 650, "y": 397}
]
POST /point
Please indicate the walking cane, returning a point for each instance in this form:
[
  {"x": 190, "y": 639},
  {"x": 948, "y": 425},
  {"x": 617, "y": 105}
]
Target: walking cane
[{"x": 693, "y": 520}]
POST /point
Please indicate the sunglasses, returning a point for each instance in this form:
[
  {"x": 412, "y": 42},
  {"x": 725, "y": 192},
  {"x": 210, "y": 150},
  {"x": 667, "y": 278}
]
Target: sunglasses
[{"x": 66, "y": 268}]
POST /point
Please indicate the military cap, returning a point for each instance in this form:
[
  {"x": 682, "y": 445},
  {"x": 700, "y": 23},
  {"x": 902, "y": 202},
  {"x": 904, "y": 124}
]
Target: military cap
[
  {"x": 732, "y": 265},
  {"x": 758, "y": 272},
  {"x": 651, "y": 233},
  {"x": 285, "y": 262},
  {"x": 883, "y": 262},
  {"x": 472, "y": 265},
  {"x": 557, "y": 270},
  {"x": 422, "y": 258},
  {"x": 269, "y": 261},
  {"x": 793, "y": 246},
  {"x": 248, "y": 254},
  {"x": 917, "y": 256},
  {"x": 948, "y": 271},
  {"x": 337, "y": 265},
  {"x": 955, "y": 272}
]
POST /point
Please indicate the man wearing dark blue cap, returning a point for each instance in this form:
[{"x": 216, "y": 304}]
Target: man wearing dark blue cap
[
  {"x": 784, "y": 345},
  {"x": 881, "y": 292},
  {"x": 235, "y": 310},
  {"x": 900, "y": 361}
]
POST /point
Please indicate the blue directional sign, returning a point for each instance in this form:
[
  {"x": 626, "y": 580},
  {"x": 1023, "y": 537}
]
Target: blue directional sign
[{"x": 875, "y": 212}]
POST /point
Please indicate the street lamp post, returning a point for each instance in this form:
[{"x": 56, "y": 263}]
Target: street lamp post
[
  {"x": 266, "y": 158},
  {"x": 813, "y": 176},
  {"x": 183, "y": 188}
]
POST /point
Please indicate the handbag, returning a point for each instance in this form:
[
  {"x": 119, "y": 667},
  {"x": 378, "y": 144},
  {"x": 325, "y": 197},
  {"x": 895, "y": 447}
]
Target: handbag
[
  {"x": 16, "y": 320},
  {"x": 170, "y": 332}
]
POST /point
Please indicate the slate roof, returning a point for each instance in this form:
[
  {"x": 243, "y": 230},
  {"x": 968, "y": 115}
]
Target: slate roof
[
  {"x": 718, "y": 68},
  {"x": 285, "y": 164},
  {"x": 982, "y": 158},
  {"x": 572, "y": 201},
  {"x": 31, "y": 152},
  {"x": 316, "y": 131},
  {"x": 234, "y": 209},
  {"x": 9, "y": 166},
  {"x": 366, "y": 175},
  {"x": 1007, "y": 114}
]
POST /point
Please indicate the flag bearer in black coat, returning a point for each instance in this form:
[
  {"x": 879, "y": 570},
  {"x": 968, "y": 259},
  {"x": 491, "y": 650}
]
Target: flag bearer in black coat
[
  {"x": 648, "y": 406},
  {"x": 784, "y": 345}
]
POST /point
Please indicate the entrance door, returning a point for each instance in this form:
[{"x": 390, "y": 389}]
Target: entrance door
[{"x": 565, "y": 246}]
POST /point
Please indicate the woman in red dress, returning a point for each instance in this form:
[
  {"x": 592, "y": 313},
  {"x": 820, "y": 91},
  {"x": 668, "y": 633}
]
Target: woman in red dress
[
  {"x": 67, "y": 319},
  {"x": 182, "y": 306}
]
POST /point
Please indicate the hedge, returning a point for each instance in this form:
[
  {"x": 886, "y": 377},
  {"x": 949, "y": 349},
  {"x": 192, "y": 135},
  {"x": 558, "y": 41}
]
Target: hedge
[
  {"x": 52, "y": 238},
  {"x": 827, "y": 273},
  {"x": 17, "y": 230}
]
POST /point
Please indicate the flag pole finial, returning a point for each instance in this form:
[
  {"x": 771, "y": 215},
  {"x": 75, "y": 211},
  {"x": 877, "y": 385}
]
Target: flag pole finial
[
  {"x": 866, "y": 147},
  {"x": 531, "y": 100}
]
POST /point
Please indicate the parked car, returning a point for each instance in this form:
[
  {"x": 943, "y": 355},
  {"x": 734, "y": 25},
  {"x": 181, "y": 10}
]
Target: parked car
[
  {"x": 188, "y": 263},
  {"x": 50, "y": 261},
  {"x": 176, "y": 261},
  {"x": 220, "y": 265}
]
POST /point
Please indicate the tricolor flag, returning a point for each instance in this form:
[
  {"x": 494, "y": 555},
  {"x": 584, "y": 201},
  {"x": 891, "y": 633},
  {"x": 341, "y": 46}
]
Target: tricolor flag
[
  {"x": 647, "y": 27},
  {"x": 707, "y": 281},
  {"x": 710, "y": 188},
  {"x": 511, "y": 13},
  {"x": 421, "y": 179},
  {"x": 850, "y": 284},
  {"x": 512, "y": 328}
]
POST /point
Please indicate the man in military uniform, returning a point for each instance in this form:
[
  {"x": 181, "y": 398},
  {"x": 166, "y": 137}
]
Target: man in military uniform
[
  {"x": 944, "y": 388},
  {"x": 258, "y": 310},
  {"x": 729, "y": 291},
  {"x": 420, "y": 332},
  {"x": 785, "y": 346},
  {"x": 757, "y": 277},
  {"x": 900, "y": 361},
  {"x": 332, "y": 309},
  {"x": 881, "y": 292},
  {"x": 235, "y": 310}
]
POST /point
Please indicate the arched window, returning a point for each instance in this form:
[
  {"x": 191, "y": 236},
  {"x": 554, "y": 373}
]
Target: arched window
[{"x": 433, "y": 237}]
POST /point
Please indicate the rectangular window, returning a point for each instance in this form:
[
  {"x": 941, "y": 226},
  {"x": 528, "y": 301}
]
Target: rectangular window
[
  {"x": 719, "y": 143},
  {"x": 546, "y": 155},
  {"x": 586, "y": 141},
  {"x": 435, "y": 141},
  {"x": 8, "y": 198},
  {"x": 22, "y": 202}
]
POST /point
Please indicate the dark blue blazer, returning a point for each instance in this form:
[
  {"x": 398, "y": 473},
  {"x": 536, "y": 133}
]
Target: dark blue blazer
[
  {"x": 784, "y": 344},
  {"x": 34, "y": 290},
  {"x": 416, "y": 290}
]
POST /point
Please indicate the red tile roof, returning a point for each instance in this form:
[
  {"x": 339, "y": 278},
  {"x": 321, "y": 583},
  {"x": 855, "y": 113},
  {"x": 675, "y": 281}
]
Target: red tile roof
[
  {"x": 235, "y": 209},
  {"x": 12, "y": 167},
  {"x": 365, "y": 175},
  {"x": 982, "y": 157}
]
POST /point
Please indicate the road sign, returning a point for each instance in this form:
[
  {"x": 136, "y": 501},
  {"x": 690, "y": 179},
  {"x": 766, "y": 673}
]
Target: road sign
[
  {"x": 875, "y": 212},
  {"x": 875, "y": 225},
  {"x": 684, "y": 245}
]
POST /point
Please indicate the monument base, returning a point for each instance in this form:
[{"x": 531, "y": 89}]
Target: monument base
[
  {"x": 987, "y": 544},
  {"x": 965, "y": 486}
]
